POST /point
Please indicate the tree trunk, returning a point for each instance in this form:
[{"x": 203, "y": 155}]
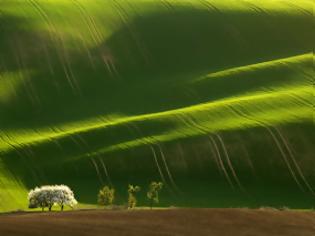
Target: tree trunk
[
  {"x": 50, "y": 208},
  {"x": 62, "y": 207}
]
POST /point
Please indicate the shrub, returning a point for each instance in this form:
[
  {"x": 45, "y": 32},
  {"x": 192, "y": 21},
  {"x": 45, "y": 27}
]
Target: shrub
[
  {"x": 106, "y": 196},
  {"x": 47, "y": 196},
  {"x": 153, "y": 192},
  {"x": 132, "y": 200}
]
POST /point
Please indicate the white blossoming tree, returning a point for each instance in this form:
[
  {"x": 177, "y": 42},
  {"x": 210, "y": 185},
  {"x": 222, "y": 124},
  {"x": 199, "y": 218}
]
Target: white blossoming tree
[
  {"x": 48, "y": 196},
  {"x": 37, "y": 198}
]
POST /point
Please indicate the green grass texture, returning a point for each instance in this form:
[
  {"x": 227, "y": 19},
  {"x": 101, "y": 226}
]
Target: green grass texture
[{"x": 213, "y": 97}]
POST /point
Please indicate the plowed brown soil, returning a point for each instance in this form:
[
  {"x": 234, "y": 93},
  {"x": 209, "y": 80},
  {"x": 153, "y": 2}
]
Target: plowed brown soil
[{"x": 196, "y": 222}]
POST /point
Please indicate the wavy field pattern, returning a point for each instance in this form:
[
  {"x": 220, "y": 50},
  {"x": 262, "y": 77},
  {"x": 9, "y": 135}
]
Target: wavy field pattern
[{"x": 214, "y": 98}]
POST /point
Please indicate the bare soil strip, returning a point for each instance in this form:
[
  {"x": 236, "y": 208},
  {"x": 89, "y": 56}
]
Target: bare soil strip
[{"x": 209, "y": 222}]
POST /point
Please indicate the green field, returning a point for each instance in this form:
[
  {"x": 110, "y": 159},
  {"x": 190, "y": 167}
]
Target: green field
[{"x": 213, "y": 97}]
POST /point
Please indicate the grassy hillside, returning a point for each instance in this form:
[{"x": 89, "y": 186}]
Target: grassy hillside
[{"x": 215, "y": 98}]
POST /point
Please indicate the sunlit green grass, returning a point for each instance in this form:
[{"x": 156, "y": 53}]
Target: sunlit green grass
[
  {"x": 287, "y": 103},
  {"x": 85, "y": 82}
]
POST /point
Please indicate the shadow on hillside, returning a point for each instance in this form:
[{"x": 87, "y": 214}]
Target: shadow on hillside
[
  {"x": 141, "y": 67},
  {"x": 194, "y": 41}
]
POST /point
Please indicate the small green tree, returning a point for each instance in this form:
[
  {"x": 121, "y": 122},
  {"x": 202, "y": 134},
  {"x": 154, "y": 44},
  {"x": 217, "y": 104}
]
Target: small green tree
[
  {"x": 132, "y": 200},
  {"x": 106, "y": 196},
  {"x": 153, "y": 192}
]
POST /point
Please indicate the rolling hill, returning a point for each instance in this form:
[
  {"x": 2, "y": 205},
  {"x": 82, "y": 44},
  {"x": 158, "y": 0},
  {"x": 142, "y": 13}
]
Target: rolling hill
[{"x": 214, "y": 98}]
